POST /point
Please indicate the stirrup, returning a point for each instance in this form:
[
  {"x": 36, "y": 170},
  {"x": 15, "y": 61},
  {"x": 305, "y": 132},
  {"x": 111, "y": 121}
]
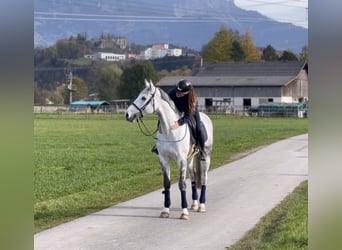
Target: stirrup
[{"x": 155, "y": 150}]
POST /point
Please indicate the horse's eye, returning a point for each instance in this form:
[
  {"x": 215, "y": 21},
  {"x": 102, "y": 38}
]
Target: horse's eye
[{"x": 143, "y": 98}]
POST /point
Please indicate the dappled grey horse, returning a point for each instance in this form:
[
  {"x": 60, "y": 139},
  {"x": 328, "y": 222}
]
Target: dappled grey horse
[{"x": 175, "y": 145}]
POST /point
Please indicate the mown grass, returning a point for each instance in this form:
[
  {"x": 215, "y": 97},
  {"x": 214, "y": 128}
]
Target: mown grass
[
  {"x": 83, "y": 163},
  {"x": 285, "y": 227}
]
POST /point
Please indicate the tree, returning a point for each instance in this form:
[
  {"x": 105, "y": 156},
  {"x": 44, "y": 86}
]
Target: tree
[
  {"x": 79, "y": 90},
  {"x": 219, "y": 48},
  {"x": 69, "y": 49},
  {"x": 304, "y": 55},
  {"x": 288, "y": 56},
  {"x": 251, "y": 51},
  {"x": 237, "y": 53},
  {"x": 57, "y": 96},
  {"x": 38, "y": 96},
  {"x": 133, "y": 79},
  {"x": 109, "y": 81},
  {"x": 269, "y": 54}
]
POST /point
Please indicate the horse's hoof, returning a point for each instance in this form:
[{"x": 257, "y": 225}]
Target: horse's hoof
[
  {"x": 184, "y": 217},
  {"x": 164, "y": 215},
  {"x": 194, "y": 206},
  {"x": 201, "y": 208}
]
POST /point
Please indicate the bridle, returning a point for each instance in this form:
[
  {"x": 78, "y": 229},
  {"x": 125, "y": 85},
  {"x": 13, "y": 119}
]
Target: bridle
[{"x": 141, "y": 109}]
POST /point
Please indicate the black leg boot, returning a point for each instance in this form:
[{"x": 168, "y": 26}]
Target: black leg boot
[{"x": 200, "y": 140}]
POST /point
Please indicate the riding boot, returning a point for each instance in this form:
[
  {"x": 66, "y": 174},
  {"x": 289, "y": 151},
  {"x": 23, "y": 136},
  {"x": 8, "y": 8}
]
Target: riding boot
[{"x": 200, "y": 141}]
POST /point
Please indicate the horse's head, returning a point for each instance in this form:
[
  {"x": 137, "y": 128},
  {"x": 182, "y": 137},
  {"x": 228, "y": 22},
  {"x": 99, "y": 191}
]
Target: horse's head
[{"x": 144, "y": 104}]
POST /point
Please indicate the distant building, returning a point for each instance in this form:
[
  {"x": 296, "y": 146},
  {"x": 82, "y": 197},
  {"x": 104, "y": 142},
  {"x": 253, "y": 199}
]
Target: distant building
[
  {"x": 111, "y": 57},
  {"x": 113, "y": 42},
  {"x": 243, "y": 85},
  {"x": 132, "y": 56},
  {"x": 160, "y": 46},
  {"x": 159, "y": 51}
]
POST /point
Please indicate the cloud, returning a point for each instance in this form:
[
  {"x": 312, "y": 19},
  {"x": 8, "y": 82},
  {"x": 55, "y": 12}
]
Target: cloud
[{"x": 287, "y": 11}]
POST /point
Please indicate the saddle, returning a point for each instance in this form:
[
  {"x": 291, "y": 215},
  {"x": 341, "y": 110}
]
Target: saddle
[{"x": 193, "y": 136}]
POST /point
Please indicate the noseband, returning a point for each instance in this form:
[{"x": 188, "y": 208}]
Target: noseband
[{"x": 142, "y": 108}]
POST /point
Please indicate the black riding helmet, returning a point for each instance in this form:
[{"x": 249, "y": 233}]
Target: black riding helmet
[{"x": 183, "y": 86}]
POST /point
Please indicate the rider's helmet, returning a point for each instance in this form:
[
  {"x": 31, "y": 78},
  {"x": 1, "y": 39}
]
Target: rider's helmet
[{"x": 183, "y": 86}]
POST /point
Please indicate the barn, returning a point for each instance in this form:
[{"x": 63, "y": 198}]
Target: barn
[{"x": 227, "y": 86}]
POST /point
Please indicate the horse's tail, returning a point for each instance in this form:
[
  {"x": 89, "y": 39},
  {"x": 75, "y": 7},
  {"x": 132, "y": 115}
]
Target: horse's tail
[{"x": 198, "y": 173}]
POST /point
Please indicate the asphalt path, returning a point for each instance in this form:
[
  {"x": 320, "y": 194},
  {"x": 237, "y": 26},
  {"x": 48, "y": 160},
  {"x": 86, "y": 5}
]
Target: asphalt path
[{"x": 238, "y": 195}]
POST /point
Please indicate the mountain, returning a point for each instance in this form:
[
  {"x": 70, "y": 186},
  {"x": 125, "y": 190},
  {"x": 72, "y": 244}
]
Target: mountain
[{"x": 186, "y": 23}]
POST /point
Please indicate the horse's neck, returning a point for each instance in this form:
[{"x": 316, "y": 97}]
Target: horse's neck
[{"x": 167, "y": 116}]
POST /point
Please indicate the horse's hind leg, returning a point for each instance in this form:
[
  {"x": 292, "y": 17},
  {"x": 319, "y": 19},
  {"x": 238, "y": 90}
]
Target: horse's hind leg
[
  {"x": 204, "y": 178},
  {"x": 194, "y": 205},
  {"x": 167, "y": 200}
]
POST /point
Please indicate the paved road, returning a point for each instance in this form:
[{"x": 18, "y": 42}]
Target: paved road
[{"x": 238, "y": 195}]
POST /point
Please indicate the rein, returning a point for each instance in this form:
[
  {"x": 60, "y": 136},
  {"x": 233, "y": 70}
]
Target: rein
[
  {"x": 147, "y": 131},
  {"x": 143, "y": 128}
]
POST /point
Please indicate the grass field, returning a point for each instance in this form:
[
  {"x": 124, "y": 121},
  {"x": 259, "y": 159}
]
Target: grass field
[
  {"x": 85, "y": 163},
  {"x": 285, "y": 227}
]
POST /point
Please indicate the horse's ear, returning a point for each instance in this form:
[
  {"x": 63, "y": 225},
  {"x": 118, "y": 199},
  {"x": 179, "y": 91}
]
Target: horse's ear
[{"x": 147, "y": 84}]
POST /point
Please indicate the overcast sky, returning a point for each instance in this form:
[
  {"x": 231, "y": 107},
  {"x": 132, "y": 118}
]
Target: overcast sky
[{"x": 288, "y": 11}]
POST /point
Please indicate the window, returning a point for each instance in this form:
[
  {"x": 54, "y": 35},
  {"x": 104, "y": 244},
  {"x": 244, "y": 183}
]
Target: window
[{"x": 247, "y": 102}]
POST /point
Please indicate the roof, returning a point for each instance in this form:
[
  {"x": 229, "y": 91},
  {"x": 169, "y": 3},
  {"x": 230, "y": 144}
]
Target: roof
[
  {"x": 251, "y": 68},
  {"x": 240, "y": 74},
  {"x": 228, "y": 81},
  {"x": 86, "y": 103}
]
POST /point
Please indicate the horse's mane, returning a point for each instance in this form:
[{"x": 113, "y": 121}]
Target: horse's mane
[{"x": 167, "y": 98}]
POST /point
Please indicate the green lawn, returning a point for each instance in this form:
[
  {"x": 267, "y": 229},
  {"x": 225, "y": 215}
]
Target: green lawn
[
  {"x": 83, "y": 163},
  {"x": 285, "y": 227}
]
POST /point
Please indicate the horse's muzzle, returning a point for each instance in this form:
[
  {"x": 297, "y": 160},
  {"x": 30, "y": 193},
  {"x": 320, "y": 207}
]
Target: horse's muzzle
[{"x": 130, "y": 118}]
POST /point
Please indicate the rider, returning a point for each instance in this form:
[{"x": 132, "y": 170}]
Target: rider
[{"x": 185, "y": 99}]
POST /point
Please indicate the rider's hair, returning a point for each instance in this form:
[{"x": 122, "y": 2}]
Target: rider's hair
[{"x": 192, "y": 100}]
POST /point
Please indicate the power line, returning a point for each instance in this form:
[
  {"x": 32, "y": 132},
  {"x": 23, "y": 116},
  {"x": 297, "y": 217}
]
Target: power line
[
  {"x": 151, "y": 14},
  {"x": 138, "y": 18}
]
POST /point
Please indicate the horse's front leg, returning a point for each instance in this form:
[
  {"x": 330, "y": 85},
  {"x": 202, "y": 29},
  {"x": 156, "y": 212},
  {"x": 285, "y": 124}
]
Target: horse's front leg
[
  {"x": 182, "y": 187},
  {"x": 167, "y": 200}
]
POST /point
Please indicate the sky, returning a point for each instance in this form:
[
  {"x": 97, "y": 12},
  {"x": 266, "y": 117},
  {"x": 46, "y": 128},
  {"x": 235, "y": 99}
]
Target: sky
[{"x": 288, "y": 11}]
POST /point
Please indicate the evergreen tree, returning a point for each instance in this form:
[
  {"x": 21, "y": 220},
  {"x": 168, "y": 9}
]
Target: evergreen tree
[
  {"x": 288, "y": 56},
  {"x": 219, "y": 48},
  {"x": 133, "y": 79},
  {"x": 237, "y": 53},
  {"x": 269, "y": 54},
  {"x": 249, "y": 48}
]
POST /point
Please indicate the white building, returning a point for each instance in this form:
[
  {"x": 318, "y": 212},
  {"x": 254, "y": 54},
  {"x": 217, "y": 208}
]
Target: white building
[
  {"x": 159, "y": 51},
  {"x": 111, "y": 57}
]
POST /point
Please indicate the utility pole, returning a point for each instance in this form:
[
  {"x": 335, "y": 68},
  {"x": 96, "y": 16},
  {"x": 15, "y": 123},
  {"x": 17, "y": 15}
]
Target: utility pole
[{"x": 70, "y": 86}]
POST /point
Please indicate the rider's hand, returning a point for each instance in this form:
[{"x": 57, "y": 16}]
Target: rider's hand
[{"x": 175, "y": 125}]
